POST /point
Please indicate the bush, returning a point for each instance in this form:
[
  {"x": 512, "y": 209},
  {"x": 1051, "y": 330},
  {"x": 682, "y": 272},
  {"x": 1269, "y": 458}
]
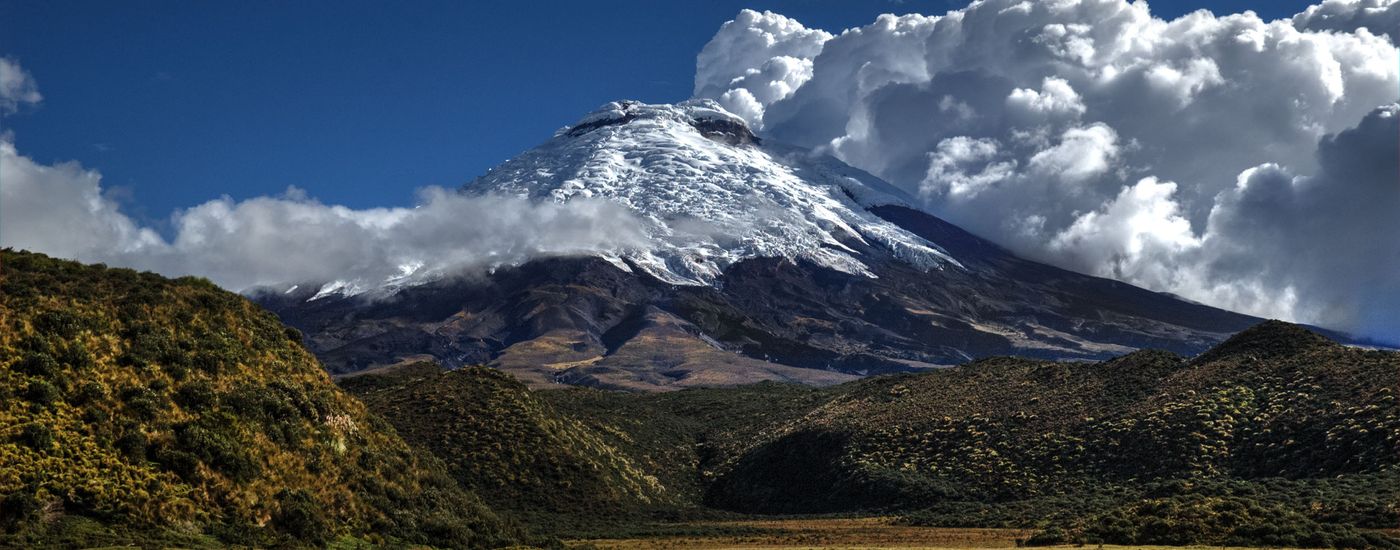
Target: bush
[
  {"x": 215, "y": 442},
  {"x": 20, "y": 506},
  {"x": 196, "y": 396},
  {"x": 38, "y": 364},
  {"x": 37, "y": 436},
  {"x": 41, "y": 393},
  {"x": 133, "y": 445},
  {"x": 300, "y": 516}
]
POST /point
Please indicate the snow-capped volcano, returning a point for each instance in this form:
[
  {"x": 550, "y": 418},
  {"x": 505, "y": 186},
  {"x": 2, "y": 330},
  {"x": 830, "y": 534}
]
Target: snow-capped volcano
[
  {"x": 711, "y": 194},
  {"x": 757, "y": 262}
]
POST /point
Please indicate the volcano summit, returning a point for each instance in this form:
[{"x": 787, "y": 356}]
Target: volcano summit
[{"x": 761, "y": 262}]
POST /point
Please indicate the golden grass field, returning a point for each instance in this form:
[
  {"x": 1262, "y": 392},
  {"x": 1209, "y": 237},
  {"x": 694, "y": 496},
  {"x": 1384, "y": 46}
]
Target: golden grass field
[{"x": 834, "y": 533}]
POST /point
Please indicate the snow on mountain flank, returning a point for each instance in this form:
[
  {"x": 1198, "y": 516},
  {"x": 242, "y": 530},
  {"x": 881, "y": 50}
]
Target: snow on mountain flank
[{"x": 711, "y": 193}]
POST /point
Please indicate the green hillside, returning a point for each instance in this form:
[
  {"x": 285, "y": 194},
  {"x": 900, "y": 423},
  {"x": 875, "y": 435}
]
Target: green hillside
[
  {"x": 507, "y": 445},
  {"x": 1276, "y": 437},
  {"x": 138, "y": 409},
  {"x": 575, "y": 462}
]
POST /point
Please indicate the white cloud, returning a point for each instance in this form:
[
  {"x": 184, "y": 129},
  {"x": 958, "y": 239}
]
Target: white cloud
[
  {"x": 1055, "y": 99},
  {"x": 754, "y": 60},
  {"x": 17, "y": 87},
  {"x": 1377, "y": 16},
  {"x": 962, "y": 167},
  {"x": 1093, "y": 135},
  {"x": 1082, "y": 154},
  {"x": 1127, "y": 238},
  {"x": 61, "y": 210}
]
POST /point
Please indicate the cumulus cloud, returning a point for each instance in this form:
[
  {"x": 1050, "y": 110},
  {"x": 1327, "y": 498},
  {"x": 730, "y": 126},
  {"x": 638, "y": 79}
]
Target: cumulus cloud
[
  {"x": 17, "y": 87},
  {"x": 1377, "y": 16},
  {"x": 755, "y": 60},
  {"x": 62, "y": 210},
  {"x": 1329, "y": 239},
  {"x": 1093, "y": 135}
]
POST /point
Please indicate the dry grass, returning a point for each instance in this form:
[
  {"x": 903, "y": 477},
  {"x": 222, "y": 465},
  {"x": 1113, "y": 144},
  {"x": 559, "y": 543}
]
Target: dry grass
[{"x": 834, "y": 533}]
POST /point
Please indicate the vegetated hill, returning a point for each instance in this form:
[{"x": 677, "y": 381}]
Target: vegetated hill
[
  {"x": 614, "y": 463},
  {"x": 139, "y": 409},
  {"x": 1277, "y": 436},
  {"x": 509, "y": 446}
]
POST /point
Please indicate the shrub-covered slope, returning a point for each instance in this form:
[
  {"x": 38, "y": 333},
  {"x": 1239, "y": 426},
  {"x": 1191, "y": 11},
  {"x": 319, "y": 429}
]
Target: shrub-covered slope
[
  {"x": 135, "y": 408},
  {"x": 503, "y": 442},
  {"x": 579, "y": 461},
  {"x": 1278, "y": 436}
]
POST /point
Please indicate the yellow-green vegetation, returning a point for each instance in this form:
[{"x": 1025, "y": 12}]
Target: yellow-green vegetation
[
  {"x": 1277, "y": 437},
  {"x": 504, "y": 443},
  {"x": 139, "y": 409}
]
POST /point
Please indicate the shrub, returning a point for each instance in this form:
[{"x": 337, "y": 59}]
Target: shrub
[
  {"x": 300, "y": 516},
  {"x": 41, "y": 393},
  {"x": 133, "y": 445},
  {"x": 37, "y": 436},
  {"x": 38, "y": 364},
  {"x": 18, "y": 507}
]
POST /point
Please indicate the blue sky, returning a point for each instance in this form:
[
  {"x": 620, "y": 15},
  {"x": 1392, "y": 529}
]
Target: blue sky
[
  {"x": 356, "y": 102},
  {"x": 1204, "y": 163}
]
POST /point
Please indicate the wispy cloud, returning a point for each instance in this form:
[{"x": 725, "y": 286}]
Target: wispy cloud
[{"x": 17, "y": 87}]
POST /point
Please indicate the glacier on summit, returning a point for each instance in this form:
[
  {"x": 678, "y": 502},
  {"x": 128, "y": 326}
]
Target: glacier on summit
[{"x": 711, "y": 194}]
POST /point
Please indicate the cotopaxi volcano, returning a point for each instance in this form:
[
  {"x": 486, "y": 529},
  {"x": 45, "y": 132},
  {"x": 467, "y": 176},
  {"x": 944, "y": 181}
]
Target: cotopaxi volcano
[{"x": 760, "y": 261}]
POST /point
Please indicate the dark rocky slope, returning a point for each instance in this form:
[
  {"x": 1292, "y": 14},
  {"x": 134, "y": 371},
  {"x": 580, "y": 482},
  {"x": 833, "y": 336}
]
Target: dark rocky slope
[{"x": 584, "y": 321}]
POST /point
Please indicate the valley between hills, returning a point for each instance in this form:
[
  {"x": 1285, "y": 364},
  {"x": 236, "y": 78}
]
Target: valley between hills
[{"x": 137, "y": 410}]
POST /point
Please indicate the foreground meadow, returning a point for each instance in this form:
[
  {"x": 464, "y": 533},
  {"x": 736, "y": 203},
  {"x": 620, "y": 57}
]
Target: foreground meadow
[{"x": 830, "y": 533}]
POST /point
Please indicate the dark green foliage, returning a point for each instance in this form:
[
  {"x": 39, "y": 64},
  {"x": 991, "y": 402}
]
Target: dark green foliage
[
  {"x": 799, "y": 472},
  {"x": 133, "y": 445},
  {"x": 215, "y": 441},
  {"x": 19, "y": 507},
  {"x": 41, "y": 393},
  {"x": 197, "y": 396},
  {"x": 301, "y": 517},
  {"x": 194, "y": 408},
  {"x": 38, "y": 364},
  {"x": 36, "y": 436}
]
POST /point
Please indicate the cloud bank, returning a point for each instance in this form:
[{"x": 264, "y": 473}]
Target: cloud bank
[
  {"x": 1186, "y": 155},
  {"x": 61, "y": 210}
]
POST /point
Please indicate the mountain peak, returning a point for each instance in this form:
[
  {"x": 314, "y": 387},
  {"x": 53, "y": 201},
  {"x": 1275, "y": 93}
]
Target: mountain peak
[
  {"x": 704, "y": 115},
  {"x": 709, "y": 194},
  {"x": 1267, "y": 339}
]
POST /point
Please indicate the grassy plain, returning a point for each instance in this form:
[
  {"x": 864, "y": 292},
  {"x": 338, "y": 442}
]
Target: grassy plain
[{"x": 844, "y": 533}]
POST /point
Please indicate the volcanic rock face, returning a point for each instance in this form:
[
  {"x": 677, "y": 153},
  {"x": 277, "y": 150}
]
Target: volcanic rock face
[{"x": 765, "y": 262}]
